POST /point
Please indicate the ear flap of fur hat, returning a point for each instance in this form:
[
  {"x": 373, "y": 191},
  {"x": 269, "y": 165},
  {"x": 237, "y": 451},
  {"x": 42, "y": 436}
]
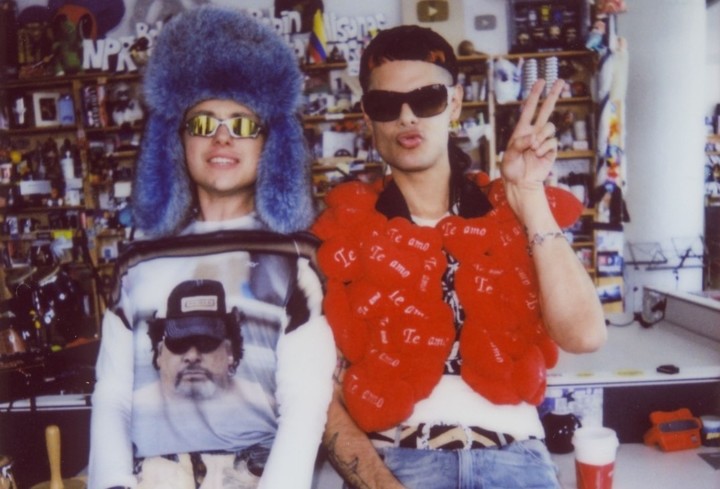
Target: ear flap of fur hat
[{"x": 219, "y": 53}]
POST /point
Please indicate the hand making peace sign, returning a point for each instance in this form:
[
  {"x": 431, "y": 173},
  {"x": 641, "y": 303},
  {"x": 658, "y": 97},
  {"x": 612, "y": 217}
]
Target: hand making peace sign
[{"x": 532, "y": 148}]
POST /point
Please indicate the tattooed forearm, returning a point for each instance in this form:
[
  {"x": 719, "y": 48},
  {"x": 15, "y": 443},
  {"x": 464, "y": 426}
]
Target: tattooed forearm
[
  {"x": 348, "y": 447},
  {"x": 340, "y": 368},
  {"x": 348, "y": 469}
]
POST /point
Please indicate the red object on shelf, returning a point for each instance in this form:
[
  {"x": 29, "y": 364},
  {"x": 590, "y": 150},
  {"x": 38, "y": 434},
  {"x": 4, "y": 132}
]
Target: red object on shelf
[{"x": 674, "y": 430}]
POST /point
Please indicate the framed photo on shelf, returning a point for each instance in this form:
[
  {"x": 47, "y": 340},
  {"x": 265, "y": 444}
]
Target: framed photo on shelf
[{"x": 45, "y": 109}]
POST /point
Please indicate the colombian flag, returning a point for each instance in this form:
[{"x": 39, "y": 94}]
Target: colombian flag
[{"x": 317, "y": 48}]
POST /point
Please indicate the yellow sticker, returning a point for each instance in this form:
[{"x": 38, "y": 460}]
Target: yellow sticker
[
  {"x": 585, "y": 374},
  {"x": 629, "y": 372}
]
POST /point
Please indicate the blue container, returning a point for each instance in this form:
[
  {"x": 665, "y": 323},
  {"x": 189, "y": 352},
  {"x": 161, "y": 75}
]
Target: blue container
[
  {"x": 710, "y": 431},
  {"x": 66, "y": 110}
]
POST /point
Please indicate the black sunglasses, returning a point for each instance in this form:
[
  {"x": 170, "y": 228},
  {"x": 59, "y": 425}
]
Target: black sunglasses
[
  {"x": 385, "y": 106},
  {"x": 206, "y": 126},
  {"x": 204, "y": 344}
]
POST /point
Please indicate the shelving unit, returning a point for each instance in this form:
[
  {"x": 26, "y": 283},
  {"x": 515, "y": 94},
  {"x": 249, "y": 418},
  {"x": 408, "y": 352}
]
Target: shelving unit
[
  {"x": 76, "y": 215},
  {"x": 711, "y": 276},
  {"x": 712, "y": 161},
  {"x": 581, "y": 80}
]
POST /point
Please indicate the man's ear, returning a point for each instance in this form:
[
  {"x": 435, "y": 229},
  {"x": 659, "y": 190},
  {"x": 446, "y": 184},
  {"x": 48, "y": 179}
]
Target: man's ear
[
  {"x": 229, "y": 350},
  {"x": 458, "y": 92},
  {"x": 237, "y": 315},
  {"x": 368, "y": 121}
]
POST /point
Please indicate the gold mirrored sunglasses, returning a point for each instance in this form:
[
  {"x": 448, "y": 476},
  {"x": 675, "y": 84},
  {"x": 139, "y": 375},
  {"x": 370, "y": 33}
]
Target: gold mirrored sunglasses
[{"x": 239, "y": 127}]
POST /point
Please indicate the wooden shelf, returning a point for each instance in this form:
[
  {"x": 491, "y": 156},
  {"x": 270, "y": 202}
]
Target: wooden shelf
[
  {"x": 472, "y": 59},
  {"x": 38, "y": 131},
  {"x": 341, "y": 65},
  {"x": 320, "y": 67},
  {"x": 315, "y": 119},
  {"x": 571, "y": 155},
  {"x": 477, "y": 104},
  {"x": 35, "y": 131},
  {"x": 42, "y": 210},
  {"x": 124, "y": 155},
  {"x": 322, "y": 168},
  {"x": 548, "y": 54},
  {"x": 67, "y": 80},
  {"x": 561, "y": 101},
  {"x": 94, "y": 131}
]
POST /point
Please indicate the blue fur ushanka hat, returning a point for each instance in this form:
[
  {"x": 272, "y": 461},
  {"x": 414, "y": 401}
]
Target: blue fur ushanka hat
[{"x": 218, "y": 53}]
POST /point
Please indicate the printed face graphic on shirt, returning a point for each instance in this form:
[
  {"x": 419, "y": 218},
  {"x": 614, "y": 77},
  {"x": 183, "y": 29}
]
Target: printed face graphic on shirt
[{"x": 195, "y": 370}]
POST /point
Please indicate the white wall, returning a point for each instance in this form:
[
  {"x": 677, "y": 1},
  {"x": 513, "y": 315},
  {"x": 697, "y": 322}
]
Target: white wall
[
  {"x": 390, "y": 9},
  {"x": 666, "y": 104},
  {"x": 490, "y": 42},
  {"x": 460, "y": 25},
  {"x": 712, "y": 58}
]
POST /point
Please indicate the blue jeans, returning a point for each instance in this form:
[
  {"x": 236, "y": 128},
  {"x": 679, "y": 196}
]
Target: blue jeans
[{"x": 522, "y": 464}]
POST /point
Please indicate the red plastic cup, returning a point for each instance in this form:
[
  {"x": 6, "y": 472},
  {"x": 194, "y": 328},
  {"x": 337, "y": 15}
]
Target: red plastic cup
[{"x": 595, "y": 450}]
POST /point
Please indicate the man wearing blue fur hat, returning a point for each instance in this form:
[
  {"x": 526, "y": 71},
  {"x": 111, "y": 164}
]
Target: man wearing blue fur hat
[{"x": 221, "y": 192}]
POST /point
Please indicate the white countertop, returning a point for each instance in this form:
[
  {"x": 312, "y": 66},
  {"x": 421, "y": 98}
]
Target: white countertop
[
  {"x": 62, "y": 402},
  {"x": 633, "y": 353},
  {"x": 640, "y": 467}
]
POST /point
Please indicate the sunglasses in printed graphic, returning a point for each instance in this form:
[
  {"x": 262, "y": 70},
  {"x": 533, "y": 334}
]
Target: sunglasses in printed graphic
[
  {"x": 239, "y": 127},
  {"x": 385, "y": 106},
  {"x": 203, "y": 344}
]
